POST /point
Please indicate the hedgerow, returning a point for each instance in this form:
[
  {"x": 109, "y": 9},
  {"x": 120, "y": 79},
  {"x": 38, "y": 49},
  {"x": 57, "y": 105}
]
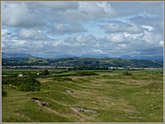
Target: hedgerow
[{"x": 23, "y": 83}]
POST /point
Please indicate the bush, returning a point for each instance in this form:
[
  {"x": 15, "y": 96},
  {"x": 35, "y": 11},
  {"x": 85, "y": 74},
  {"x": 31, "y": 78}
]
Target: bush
[
  {"x": 62, "y": 79},
  {"x": 30, "y": 84},
  {"x": 85, "y": 73},
  {"x": 12, "y": 80},
  {"x": 45, "y": 72},
  {"x": 28, "y": 74},
  {"x": 4, "y": 93},
  {"x": 154, "y": 85},
  {"x": 23, "y": 83},
  {"x": 127, "y": 73}
]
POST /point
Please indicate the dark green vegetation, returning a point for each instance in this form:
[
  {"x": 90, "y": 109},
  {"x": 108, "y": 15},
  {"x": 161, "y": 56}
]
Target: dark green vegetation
[
  {"x": 62, "y": 79},
  {"x": 3, "y": 92},
  {"x": 83, "y": 63},
  {"x": 127, "y": 73},
  {"x": 112, "y": 96},
  {"x": 22, "y": 83},
  {"x": 84, "y": 73}
]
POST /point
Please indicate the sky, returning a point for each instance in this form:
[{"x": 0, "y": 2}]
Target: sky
[{"x": 82, "y": 29}]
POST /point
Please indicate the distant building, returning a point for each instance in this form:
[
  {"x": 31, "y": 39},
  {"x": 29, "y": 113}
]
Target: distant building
[
  {"x": 20, "y": 75},
  {"x": 112, "y": 68},
  {"x": 115, "y": 68},
  {"x": 120, "y": 68},
  {"x": 38, "y": 73}
]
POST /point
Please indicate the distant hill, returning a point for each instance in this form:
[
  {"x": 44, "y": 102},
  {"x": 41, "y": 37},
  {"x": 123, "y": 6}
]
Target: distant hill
[
  {"x": 81, "y": 61},
  {"x": 25, "y": 55},
  {"x": 158, "y": 58},
  {"x": 15, "y": 55}
]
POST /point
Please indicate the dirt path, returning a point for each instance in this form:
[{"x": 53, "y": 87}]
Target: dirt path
[
  {"x": 83, "y": 117},
  {"x": 28, "y": 118},
  {"x": 57, "y": 113}
]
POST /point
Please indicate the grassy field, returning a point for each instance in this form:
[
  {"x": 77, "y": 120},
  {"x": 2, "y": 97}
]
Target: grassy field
[{"x": 109, "y": 96}]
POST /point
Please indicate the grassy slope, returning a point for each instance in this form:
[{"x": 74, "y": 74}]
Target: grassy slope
[{"x": 116, "y": 97}]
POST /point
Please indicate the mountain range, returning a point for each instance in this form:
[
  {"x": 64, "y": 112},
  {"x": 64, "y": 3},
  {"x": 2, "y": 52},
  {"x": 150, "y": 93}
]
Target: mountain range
[
  {"x": 25, "y": 55},
  {"x": 15, "y": 55}
]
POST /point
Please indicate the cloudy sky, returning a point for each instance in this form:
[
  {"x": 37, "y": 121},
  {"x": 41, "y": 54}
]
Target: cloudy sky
[{"x": 57, "y": 29}]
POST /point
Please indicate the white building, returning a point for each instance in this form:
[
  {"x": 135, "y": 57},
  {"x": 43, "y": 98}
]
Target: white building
[{"x": 20, "y": 75}]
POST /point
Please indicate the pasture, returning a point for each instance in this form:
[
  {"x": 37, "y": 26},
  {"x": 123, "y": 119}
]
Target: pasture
[{"x": 93, "y": 96}]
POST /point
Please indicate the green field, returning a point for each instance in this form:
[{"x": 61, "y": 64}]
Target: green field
[{"x": 103, "y": 96}]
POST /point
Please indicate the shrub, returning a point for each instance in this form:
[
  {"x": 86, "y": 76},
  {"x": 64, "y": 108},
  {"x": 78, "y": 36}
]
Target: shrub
[
  {"x": 127, "y": 73},
  {"x": 28, "y": 74},
  {"x": 23, "y": 83},
  {"x": 85, "y": 73},
  {"x": 45, "y": 72},
  {"x": 4, "y": 93},
  {"x": 30, "y": 84},
  {"x": 12, "y": 80},
  {"x": 154, "y": 85},
  {"x": 62, "y": 79},
  {"x": 67, "y": 79}
]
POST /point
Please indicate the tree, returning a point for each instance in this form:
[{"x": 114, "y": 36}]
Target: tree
[
  {"x": 4, "y": 93},
  {"x": 30, "y": 84},
  {"x": 45, "y": 72}
]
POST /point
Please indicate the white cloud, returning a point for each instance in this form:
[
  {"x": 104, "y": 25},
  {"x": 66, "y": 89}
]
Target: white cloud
[
  {"x": 78, "y": 42},
  {"x": 151, "y": 38},
  {"x": 31, "y": 34},
  {"x": 74, "y": 26},
  {"x": 60, "y": 27},
  {"x": 18, "y": 15},
  {"x": 98, "y": 51},
  {"x": 116, "y": 38},
  {"x": 85, "y": 39},
  {"x": 22, "y": 14},
  {"x": 149, "y": 28},
  {"x": 5, "y": 34},
  {"x": 96, "y": 9},
  {"x": 121, "y": 46},
  {"x": 130, "y": 36},
  {"x": 161, "y": 43},
  {"x": 144, "y": 38},
  {"x": 41, "y": 44},
  {"x": 121, "y": 27},
  {"x": 67, "y": 29},
  {"x": 5, "y": 31},
  {"x": 24, "y": 33},
  {"x": 19, "y": 42},
  {"x": 59, "y": 5},
  {"x": 88, "y": 11},
  {"x": 57, "y": 42},
  {"x": 81, "y": 39}
]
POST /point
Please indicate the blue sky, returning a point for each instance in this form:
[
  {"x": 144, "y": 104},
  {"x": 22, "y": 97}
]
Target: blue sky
[{"x": 111, "y": 29}]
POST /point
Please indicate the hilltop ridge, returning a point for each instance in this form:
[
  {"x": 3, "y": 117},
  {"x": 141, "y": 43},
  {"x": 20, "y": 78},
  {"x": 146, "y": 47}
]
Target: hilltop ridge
[{"x": 83, "y": 61}]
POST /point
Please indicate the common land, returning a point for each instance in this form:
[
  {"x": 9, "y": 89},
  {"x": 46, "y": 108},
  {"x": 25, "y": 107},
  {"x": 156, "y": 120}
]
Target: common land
[{"x": 82, "y": 95}]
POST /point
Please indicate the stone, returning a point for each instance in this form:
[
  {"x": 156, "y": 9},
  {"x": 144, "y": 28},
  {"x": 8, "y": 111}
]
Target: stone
[
  {"x": 85, "y": 110},
  {"x": 34, "y": 98},
  {"x": 69, "y": 91},
  {"x": 44, "y": 103},
  {"x": 90, "y": 111}
]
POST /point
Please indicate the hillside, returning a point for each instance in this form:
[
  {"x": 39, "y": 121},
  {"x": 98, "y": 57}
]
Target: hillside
[
  {"x": 15, "y": 55},
  {"x": 102, "y": 96},
  {"x": 97, "y": 62}
]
